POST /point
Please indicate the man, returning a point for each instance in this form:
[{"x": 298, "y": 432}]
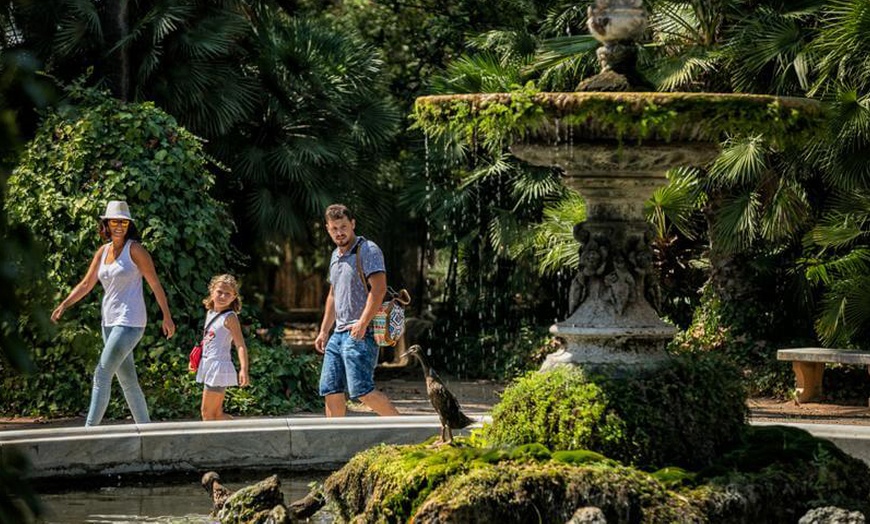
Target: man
[{"x": 350, "y": 354}]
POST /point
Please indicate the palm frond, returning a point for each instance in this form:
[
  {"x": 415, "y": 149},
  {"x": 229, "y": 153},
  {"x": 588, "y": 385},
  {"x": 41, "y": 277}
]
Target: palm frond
[
  {"x": 479, "y": 73},
  {"x": 845, "y": 311},
  {"x": 770, "y": 49},
  {"x": 533, "y": 185},
  {"x": 843, "y": 45},
  {"x": 786, "y": 210},
  {"x": 742, "y": 162},
  {"x": 677, "y": 203},
  {"x": 736, "y": 224},
  {"x": 553, "y": 241},
  {"x": 683, "y": 70},
  {"x": 848, "y": 266}
]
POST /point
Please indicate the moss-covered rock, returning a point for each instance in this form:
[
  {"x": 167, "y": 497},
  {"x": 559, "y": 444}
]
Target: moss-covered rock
[
  {"x": 775, "y": 474},
  {"x": 552, "y": 492},
  {"x": 787, "y": 469},
  {"x": 683, "y": 413},
  {"x": 520, "y": 484},
  {"x": 259, "y": 503}
]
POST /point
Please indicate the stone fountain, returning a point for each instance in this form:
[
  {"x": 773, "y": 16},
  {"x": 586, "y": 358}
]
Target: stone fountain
[{"x": 614, "y": 142}]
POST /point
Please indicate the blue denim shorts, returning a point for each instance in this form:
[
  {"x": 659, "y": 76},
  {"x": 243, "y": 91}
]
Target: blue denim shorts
[{"x": 349, "y": 365}]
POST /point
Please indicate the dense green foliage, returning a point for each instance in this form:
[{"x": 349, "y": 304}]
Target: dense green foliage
[
  {"x": 21, "y": 264},
  {"x": 771, "y": 474},
  {"x": 683, "y": 412},
  {"x": 88, "y": 152}
]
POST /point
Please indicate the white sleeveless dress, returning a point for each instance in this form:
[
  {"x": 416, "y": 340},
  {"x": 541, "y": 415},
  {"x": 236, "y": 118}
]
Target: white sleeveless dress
[{"x": 216, "y": 368}]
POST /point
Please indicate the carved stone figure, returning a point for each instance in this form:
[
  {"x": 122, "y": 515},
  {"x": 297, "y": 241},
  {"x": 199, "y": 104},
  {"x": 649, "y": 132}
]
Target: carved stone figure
[
  {"x": 594, "y": 251},
  {"x": 641, "y": 259},
  {"x": 620, "y": 285},
  {"x": 577, "y": 293}
]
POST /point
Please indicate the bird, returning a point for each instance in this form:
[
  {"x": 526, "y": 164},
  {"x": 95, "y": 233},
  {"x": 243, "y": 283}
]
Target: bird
[
  {"x": 219, "y": 494},
  {"x": 442, "y": 399}
]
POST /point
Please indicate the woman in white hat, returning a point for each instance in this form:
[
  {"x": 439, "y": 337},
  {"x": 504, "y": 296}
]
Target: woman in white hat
[{"x": 119, "y": 266}]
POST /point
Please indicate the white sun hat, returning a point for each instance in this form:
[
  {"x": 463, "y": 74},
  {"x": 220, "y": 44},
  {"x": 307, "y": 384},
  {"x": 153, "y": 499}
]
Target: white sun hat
[{"x": 117, "y": 209}]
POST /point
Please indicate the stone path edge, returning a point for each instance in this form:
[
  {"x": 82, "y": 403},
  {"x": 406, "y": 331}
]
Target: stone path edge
[{"x": 165, "y": 447}]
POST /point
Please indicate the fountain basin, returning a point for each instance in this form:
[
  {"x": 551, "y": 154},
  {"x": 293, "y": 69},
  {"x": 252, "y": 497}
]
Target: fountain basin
[{"x": 598, "y": 117}]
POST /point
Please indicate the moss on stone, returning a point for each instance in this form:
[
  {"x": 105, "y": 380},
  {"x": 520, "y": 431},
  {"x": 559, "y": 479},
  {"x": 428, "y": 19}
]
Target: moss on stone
[
  {"x": 551, "y": 492},
  {"x": 774, "y": 475},
  {"x": 497, "y": 119},
  {"x": 684, "y": 413},
  {"x": 254, "y": 503}
]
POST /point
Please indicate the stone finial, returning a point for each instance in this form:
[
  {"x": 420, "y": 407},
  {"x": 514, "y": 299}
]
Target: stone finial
[
  {"x": 616, "y": 20},
  {"x": 618, "y": 25}
]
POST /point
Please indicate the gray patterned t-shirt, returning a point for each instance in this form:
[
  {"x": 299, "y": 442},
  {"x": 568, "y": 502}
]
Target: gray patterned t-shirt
[{"x": 348, "y": 290}]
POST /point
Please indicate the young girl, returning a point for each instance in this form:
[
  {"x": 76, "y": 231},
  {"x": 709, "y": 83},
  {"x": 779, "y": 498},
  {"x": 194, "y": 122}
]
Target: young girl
[{"x": 216, "y": 370}]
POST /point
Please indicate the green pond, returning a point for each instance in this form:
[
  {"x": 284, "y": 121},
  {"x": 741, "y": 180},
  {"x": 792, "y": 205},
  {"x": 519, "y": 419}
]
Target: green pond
[{"x": 158, "y": 499}]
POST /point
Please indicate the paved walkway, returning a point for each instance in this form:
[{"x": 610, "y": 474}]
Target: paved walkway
[{"x": 479, "y": 396}]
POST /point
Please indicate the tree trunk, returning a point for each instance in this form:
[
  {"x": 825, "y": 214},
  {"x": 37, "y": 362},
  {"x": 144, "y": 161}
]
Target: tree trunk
[{"x": 119, "y": 62}]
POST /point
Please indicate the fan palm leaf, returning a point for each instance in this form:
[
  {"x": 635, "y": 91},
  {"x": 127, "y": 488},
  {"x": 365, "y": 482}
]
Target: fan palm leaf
[
  {"x": 323, "y": 118},
  {"x": 769, "y": 51},
  {"x": 677, "y": 204},
  {"x": 843, "y": 45},
  {"x": 479, "y": 73},
  {"x": 553, "y": 242}
]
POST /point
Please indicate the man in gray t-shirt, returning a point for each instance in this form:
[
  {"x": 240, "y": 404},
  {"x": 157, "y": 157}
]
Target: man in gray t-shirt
[{"x": 350, "y": 353}]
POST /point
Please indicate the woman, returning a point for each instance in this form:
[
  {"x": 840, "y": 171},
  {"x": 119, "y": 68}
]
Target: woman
[{"x": 120, "y": 266}]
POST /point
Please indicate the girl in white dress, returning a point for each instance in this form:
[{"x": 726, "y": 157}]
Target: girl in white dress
[{"x": 216, "y": 370}]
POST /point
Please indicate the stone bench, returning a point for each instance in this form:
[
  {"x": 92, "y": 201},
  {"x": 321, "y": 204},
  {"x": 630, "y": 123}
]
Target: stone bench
[{"x": 809, "y": 364}]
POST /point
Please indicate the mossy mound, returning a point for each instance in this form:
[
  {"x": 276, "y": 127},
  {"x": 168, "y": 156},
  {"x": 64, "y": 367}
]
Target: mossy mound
[
  {"x": 776, "y": 474},
  {"x": 520, "y": 484},
  {"x": 683, "y": 413}
]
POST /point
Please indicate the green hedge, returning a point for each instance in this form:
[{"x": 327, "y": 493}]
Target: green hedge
[{"x": 684, "y": 412}]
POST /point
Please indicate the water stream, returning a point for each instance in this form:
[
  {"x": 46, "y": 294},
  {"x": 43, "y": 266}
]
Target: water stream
[{"x": 166, "y": 500}]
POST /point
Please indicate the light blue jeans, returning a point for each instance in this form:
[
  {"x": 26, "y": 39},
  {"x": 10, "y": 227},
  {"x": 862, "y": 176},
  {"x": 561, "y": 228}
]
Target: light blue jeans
[
  {"x": 117, "y": 358},
  {"x": 349, "y": 365}
]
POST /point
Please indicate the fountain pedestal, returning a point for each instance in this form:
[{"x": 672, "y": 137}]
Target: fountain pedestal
[{"x": 615, "y": 293}]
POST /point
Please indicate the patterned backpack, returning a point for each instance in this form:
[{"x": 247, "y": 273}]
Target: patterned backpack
[{"x": 389, "y": 321}]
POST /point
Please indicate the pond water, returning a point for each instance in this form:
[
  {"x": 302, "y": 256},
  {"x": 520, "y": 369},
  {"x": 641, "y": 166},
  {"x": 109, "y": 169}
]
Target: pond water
[{"x": 161, "y": 499}]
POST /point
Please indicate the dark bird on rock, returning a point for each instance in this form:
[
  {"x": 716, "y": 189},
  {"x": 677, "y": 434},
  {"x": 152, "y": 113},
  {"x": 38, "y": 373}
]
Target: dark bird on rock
[
  {"x": 219, "y": 494},
  {"x": 442, "y": 399}
]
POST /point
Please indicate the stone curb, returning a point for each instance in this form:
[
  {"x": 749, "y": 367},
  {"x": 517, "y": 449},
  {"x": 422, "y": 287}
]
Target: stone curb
[
  {"x": 288, "y": 443},
  {"x": 853, "y": 439}
]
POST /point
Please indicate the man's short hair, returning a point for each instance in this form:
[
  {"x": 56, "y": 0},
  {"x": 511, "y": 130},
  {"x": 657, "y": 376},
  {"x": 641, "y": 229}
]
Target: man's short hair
[{"x": 337, "y": 212}]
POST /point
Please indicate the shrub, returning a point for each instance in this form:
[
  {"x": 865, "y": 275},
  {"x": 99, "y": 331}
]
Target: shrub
[
  {"x": 281, "y": 382},
  {"x": 87, "y": 152},
  {"x": 741, "y": 331},
  {"x": 683, "y": 412}
]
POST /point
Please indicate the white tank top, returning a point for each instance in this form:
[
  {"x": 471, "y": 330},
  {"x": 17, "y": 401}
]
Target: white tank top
[{"x": 123, "y": 302}]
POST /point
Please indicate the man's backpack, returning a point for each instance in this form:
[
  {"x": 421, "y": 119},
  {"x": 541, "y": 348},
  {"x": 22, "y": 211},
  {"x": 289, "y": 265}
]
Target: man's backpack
[{"x": 389, "y": 321}]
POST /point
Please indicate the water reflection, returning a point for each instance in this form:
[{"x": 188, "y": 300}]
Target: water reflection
[{"x": 163, "y": 500}]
